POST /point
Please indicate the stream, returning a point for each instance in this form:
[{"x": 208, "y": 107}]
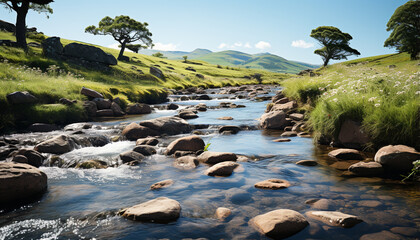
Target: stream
[{"x": 83, "y": 203}]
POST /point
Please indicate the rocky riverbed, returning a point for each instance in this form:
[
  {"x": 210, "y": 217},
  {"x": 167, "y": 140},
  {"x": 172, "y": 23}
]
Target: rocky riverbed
[{"x": 148, "y": 175}]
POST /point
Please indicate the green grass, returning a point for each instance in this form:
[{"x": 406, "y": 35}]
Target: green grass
[
  {"x": 386, "y": 100},
  {"x": 49, "y": 80}
]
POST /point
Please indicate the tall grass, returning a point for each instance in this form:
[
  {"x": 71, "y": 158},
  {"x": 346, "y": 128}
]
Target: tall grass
[{"x": 386, "y": 100}]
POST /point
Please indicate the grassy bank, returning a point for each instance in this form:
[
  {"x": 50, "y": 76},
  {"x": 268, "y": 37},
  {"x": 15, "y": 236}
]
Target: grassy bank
[
  {"x": 381, "y": 92},
  {"x": 49, "y": 80}
]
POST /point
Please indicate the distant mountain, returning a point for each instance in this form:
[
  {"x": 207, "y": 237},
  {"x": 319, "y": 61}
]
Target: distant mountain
[{"x": 265, "y": 61}]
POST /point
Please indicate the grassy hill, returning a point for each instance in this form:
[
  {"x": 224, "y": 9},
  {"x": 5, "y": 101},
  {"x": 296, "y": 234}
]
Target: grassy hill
[
  {"x": 49, "y": 80},
  {"x": 264, "y": 61},
  {"x": 381, "y": 92}
]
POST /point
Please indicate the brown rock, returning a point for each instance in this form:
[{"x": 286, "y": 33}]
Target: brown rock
[
  {"x": 323, "y": 204},
  {"x": 102, "y": 103},
  {"x": 138, "y": 108},
  {"x": 134, "y": 131},
  {"x": 282, "y": 140},
  {"x": 57, "y": 145},
  {"x": 346, "y": 154},
  {"x": 230, "y": 128},
  {"x": 335, "y": 218},
  {"x": 216, "y": 157},
  {"x": 366, "y": 169},
  {"x": 222, "y": 213},
  {"x": 278, "y": 224},
  {"x": 33, "y": 157},
  {"x": 162, "y": 184},
  {"x": 273, "y": 184},
  {"x": 307, "y": 163},
  {"x": 286, "y": 107},
  {"x": 161, "y": 209},
  {"x": 225, "y": 118},
  {"x": 297, "y": 116},
  {"x": 168, "y": 125},
  {"x": 351, "y": 134},
  {"x": 397, "y": 157},
  {"x": 273, "y": 120},
  {"x": 147, "y": 141},
  {"x": 406, "y": 231},
  {"x": 130, "y": 156},
  {"x": 289, "y": 134},
  {"x": 146, "y": 150},
  {"x": 116, "y": 109},
  {"x": 384, "y": 235},
  {"x": 190, "y": 143},
  {"x": 186, "y": 162},
  {"x": 223, "y": 169},
  {"x": 91, "y": 93},
  {"x": 369, "y": 203},
  {"x": 20, "y": 159}
]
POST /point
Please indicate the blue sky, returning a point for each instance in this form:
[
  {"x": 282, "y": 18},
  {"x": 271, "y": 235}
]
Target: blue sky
[{"x": 276, "y": 26}]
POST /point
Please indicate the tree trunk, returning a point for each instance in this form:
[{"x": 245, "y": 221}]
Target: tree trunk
[
  {"x": 21, "y": 25},
  {"x": 326, "y": 61},
  {"x": 120, "y": 56}
]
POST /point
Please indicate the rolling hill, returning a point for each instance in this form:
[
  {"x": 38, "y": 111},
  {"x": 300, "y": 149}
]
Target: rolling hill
[{"x": 264, "y": 61}]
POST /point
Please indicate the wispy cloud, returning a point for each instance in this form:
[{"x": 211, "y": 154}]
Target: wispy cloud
[
  {"x": 165, "y": 47},
  {"x": 263, "y": 45},
  {"x": 237, "y": 44},
  {"x": 247, "y": 45},
  {"x": 222, "y": 45},
  {"x": 302, "y": 44}
]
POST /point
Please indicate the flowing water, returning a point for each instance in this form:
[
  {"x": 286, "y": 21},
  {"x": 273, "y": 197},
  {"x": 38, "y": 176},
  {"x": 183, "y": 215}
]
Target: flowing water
[{"x": 83, "y": 204}]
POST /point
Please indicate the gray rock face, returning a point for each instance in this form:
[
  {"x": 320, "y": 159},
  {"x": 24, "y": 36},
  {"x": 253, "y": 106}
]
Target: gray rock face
[
  {"x": 52, "y": 47},
  {"x": 397, "y": 157},
  {"x": 281, "y": 223},
  {"x": 19, "y": 182},
  {"x": 335, "y": 218},
  {"x": 161, "y": 209},
  {"x": 21, "y": 98},
  {"x": 134, "y": 131},
  {"x": 216, "y": 157},
  {"x": 146, "y": 150},
  {"x": 168, "y": 125},
  {"x": 156, "y": 72},
  {"x": 89, "y": 53},
  {"x": 273, "y": 120},
  {"x": 189, "y": 143},
  {"x": 57, "y": 145},
  {"x": 130, "y": 156},
  {"x": 346, "y": 154},
  {"x": 91, "y": 93},
  {"x": 138, "y": 108},
  {"x": 222, "y": 169},
  {"x": 367, "y": 169}
]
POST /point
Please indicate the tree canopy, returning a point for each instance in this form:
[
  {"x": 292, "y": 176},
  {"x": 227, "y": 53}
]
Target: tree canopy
[
  {"x": 405, "y": 27},
  {"x": 158, "y": 54},
  {"x": 21, "y": 7},
  {"x": 124, "y": 30},
  {"x": 335, "y": 44}
]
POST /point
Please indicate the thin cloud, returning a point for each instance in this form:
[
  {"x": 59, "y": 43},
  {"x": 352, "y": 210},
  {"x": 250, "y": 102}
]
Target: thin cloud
[
  {"x": 247, "y": 45},
  {"x": 263, "y": 45},
  {"x": 222, "y": 45},
  {"x": 165, "y": 47},
  {"x": 302, "y": 44},
  {"x": 237, "y": 44}
]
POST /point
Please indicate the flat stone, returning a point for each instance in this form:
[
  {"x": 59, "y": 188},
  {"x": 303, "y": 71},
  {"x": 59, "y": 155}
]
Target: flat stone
[
  {"x": 161, "y": 209},
  {"x": 190, "y": 143},
  {"x": 225, "y": 118},
  {"x": 346, "y": 154},
  {"x": 335, "y": 218},
  {"x": 91, "y": 93},
  {"x": 278, "y": 224},
  {"x": 21, "y": 98},
  {"x": 289, "y": 134},
  {"x": 322, "y": 204},
  {"x": 138, "y": 108},
  {"x": 297, "y": 116},
  {"x": 230, "y": 128},
  {"x": 222, "y": 169},
  {"x": 282, "y": 140},
  {"x": 168, "y": 125},
  {"x": 367, "y": 169},
  {"x": 406, "y": 231},
  {"x": 162, "y": 184},
  {"x": 186, "y": 162},
  {"x": 273, "y": 120},
  {"x": 273, "y": 184},
  {"x": 309, "y": 163},
  {"x": 369, "y": 203},
  {"x": 222, "y": 213},
  {"x": 216, "y": 157}
]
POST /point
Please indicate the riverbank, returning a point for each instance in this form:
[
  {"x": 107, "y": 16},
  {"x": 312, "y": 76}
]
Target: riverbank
[{"x": 377, "y": 97}]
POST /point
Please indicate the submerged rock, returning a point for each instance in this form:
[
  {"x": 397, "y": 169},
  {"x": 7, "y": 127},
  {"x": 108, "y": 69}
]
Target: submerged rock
[
  {"x": 281, "y": 223},
  {"x": 95, "y": 164},
  {"x": 397, "y": 157},
  {"x": 186, "y": 162},
  {"x": 335, "y": 218},
  {"x": 307, "y": 163},
  {"x": 222, "y": 213},
  {"x": 57, "y": 145},
  {"x": 223, "y": 169},
  {"x": 272, "y": 184},
  {"x": 20, "y": 182},
  {"x": 190, "y": 143},
  {"x": 162, "y": 184},
  {"x": 161, "y": 209}
]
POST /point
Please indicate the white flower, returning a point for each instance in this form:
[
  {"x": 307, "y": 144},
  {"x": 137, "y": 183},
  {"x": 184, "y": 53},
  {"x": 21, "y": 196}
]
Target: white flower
[
  {"x": 377, "y": 104},
  {"x": 400, "y": 92},
  {"x": 418, "y": 93},
  {"x": 372, "y": 99},
  {"x": 335, "y": 100}
]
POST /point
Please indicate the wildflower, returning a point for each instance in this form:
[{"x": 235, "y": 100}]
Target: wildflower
[
  {"x": 335, "y": 100},
  {"x": 372, "y": 99},
  {"x": 418, "y": 93},
  {"x": 377, "y": 104},
  {"x": 400, "y": 92}
]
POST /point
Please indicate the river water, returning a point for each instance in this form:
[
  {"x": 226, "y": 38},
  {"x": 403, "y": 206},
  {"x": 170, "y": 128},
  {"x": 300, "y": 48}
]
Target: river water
[{"x": 82, "y": 204}]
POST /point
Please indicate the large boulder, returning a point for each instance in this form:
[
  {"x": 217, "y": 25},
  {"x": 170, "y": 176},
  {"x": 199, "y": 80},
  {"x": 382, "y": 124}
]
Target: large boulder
[
  {"x": 157, "y": 72},
  {"x": 7, "y": 27},
  {"x": 89, "y": 53},
  {"x": 20, "y": 182},
  {"x": 91, "y": 93},
  {"x": 335, "y": 218},
  {"x": 222, "y": 169},
  {"x": 281, "y": 223},
  {"x": 90, "y": 108},
  {"x": 138, "y": 108},
  {"x": 351, "y": 135},
  {"x": 397, "y": 157},
  {"x": 161, "y": 209},
  {"x": 189, "y": 143},
  {"x": 273, "y": 120},
  {"x": 52, "y": 47},
  {"x": 134, "y": 131},
  {"x": 57, "y": 145},
  {"x": 216, "y": 157},
  {"x": 21, "y": 98},
  {"x": 168, "y": 125}
]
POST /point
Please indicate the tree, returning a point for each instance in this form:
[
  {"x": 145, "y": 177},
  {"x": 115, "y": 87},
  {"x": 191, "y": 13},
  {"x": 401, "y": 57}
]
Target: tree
[
  {"x": 158, "y": 54},
  {"x": 134, "y": 47},
  {"x": 185, "y": 58},
  {"x": 335, "y": 44},
  {"x": 405, "y": 27},
  {"x": 124, "y": 30},
  {"x": 21, "y": 7}
]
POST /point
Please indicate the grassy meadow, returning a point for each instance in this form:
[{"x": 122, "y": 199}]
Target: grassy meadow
[
  {"x": 382, "y": 92},
  {"x": 49, "y": 80}
]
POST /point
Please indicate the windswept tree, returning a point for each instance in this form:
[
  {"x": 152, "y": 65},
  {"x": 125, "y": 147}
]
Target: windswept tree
[
  {"x": 405, "y": 27},
  {"x": 335, "y": 44},
  {"x": 124, "y": 30},
  {"x": 21, "y": 7}
]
